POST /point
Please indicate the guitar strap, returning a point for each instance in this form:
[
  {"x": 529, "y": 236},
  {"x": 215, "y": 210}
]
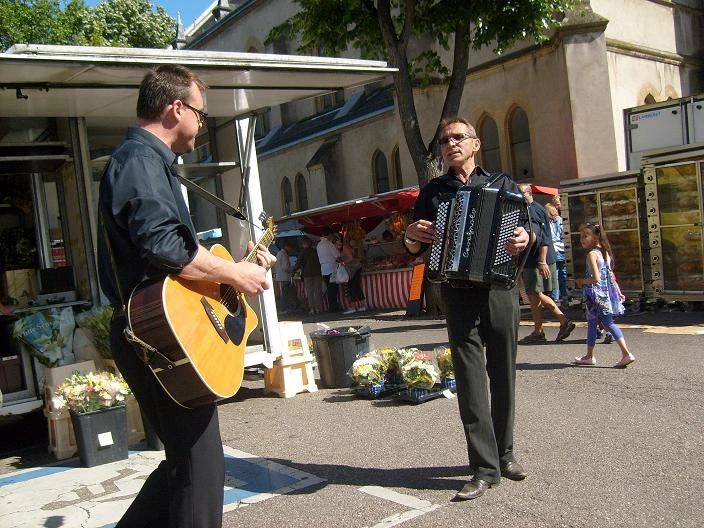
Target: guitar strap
[{"x": 147, "y": 353}]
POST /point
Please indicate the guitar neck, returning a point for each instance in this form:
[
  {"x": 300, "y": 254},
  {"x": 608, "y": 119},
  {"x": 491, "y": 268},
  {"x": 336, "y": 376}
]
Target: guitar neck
[{"x": 266, "y": 239}]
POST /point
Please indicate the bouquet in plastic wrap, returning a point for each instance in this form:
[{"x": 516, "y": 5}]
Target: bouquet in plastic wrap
[
  {"x": 401, "y": 356},
  {"x": 97, "y": 322},
  {"x": 369, "y": 369},
  {"x": 420, "y": 372},
  {"x": 444, "y": 359},
  {"x": 398, "y": 357}
]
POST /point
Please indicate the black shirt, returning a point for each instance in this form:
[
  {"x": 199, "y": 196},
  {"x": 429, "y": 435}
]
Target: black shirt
[
  {"x": 544, "y": 237},
  {"x": 447, "y": 185},
  {"x": 308, "y": 263},
  {"x": 144, "y": 213}
]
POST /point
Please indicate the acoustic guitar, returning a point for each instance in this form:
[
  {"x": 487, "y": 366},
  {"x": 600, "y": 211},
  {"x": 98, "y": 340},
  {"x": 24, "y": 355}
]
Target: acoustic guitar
[{"x": 199, "y": 330}]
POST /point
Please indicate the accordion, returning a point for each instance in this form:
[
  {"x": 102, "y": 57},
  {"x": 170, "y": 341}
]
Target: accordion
[{"x": 473, "y": 227}]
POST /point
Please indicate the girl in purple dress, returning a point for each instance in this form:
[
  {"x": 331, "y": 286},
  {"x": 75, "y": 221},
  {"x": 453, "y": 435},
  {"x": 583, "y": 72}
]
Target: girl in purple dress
[{"x": 602, "y": 295}]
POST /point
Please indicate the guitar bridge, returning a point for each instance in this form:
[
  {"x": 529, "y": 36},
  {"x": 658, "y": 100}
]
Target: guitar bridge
[{"x": 214, "y": 319}]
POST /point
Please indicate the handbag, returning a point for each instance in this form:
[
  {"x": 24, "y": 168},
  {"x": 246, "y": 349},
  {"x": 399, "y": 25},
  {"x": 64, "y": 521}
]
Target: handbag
[{"x": 341, "y": 276}]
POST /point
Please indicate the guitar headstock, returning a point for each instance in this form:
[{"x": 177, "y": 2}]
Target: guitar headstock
[{"x": 270, "y": 232}]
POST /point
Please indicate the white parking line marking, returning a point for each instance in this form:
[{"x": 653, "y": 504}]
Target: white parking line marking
[{"x": 418, "y": 506}]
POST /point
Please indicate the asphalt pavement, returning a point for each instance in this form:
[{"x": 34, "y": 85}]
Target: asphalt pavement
[{"x": 603, "y": 447}]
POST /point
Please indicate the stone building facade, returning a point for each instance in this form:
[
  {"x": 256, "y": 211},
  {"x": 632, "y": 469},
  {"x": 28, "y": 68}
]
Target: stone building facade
[{"x": 544, "y": 113}]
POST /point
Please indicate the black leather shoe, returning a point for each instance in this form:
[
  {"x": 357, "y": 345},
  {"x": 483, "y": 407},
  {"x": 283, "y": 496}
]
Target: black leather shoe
[
  {"x": 513, "y": 470},
  {"x": 474, "y": 489}
]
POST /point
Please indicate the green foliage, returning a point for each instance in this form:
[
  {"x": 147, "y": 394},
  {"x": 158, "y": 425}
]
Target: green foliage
[
  {"x": 132, "y": 23},
  {"x": 329, "y": 27},
  {"x": 126, "y": 23}
]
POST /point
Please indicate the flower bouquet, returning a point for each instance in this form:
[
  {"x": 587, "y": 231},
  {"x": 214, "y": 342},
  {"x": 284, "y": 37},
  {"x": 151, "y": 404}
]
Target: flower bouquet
[
  {"x": 369, "y": 369},
  {"x": 93, "y": 391},
  {"x": 97, "y": 322},
  {"x": 419, "y": 372},
  {"x": 48, "y": 335},
  {"x": 398, "y": 358},
  {"x": 444, "y": 359}
]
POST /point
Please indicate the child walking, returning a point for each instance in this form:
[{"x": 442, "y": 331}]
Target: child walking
[{"x": 603, "y": 297}]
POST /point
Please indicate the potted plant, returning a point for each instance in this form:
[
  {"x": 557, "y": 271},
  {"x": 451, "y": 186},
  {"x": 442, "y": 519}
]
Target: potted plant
[{"x": 96, "y": 402}]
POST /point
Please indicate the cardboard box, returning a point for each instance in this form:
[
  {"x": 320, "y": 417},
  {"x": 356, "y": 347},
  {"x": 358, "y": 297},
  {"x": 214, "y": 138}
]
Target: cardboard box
[
  {"x": 10, "y": 374},
  {"x": 21, "y": 285}
]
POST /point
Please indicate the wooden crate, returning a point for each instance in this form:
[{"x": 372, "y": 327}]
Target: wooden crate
[
  {"x": 293, "y": 371},
  {"x": 62, "y": 442}
]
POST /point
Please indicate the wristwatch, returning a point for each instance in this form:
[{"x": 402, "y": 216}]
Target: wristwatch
[{"x": 409, "y": 240}]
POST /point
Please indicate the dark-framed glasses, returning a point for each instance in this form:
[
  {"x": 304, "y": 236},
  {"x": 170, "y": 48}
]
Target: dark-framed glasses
[
  {"x": 455, "y": 138},
  {"x": 199, "y": 114}
]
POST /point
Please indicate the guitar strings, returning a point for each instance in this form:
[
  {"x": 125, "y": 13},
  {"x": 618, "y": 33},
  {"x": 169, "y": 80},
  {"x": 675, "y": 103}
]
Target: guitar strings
[{"x": 266, "y": 239}]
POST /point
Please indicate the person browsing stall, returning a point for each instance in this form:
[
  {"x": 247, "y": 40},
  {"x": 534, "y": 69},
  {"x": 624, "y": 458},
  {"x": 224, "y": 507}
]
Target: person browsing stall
[
  {"x": 329, "y": 256},
  {"x": 151, "y": 235},
  {"x": 309, "y": 264},
  {"x": 477, "y": 318}
]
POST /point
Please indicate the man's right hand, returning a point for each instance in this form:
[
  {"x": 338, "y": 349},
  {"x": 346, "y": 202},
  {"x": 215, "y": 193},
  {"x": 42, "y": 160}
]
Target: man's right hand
[
  {"x": 422, "y": 231},
  {"x": 249, "y": 278}
]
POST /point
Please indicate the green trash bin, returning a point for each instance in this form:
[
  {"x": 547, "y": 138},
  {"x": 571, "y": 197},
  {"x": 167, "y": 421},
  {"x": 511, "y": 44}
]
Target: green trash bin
[{"x": 335, "y": 350}]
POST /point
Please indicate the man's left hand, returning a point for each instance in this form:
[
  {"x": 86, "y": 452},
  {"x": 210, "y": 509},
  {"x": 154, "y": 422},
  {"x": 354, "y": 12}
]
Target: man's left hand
[
  {"x": 518, "y": 242},
  {"x": 264, "y": 258}
]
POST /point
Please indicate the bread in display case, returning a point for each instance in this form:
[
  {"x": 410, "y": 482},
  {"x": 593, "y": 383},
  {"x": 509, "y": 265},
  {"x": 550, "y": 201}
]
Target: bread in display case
[
  {"x": 683, "y": 261},
  {"x": 619, "y": 209},
  {"x": 678, "y": 194}
]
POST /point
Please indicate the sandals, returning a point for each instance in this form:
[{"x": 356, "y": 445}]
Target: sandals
[
  {"x": 565, "y": 330},
  {"x": 625, "y": 361},
  {"x": 585, "y": 361}
]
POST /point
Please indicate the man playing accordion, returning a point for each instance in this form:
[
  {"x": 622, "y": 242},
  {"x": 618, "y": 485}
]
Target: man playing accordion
[{"x": 478, "y": 316}]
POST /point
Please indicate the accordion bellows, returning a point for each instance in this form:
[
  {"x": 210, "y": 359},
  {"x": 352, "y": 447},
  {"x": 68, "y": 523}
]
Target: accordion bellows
[{"x": 473, "y": 227}]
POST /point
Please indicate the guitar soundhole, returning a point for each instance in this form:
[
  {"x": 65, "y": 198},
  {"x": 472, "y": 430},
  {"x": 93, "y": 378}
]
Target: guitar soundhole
[
  {"x": 229, "y": 298},
  {"x": 235, "y": 322}
]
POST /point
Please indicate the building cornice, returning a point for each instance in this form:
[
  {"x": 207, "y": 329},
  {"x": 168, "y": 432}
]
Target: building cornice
[
  {"x": 630, "y": 49},
  {"x": 678, "y": 5}
]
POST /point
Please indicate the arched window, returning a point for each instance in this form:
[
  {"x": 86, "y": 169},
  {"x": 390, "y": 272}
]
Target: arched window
[
  {"x": 519, "y": 132},
  {"x": 490, "y": 148},
  {"x": 286, "y": 197},
  {"x": 396, "y": 168},
  {"x": 301, "y": 192},
  {"x": 381, "y": 172}
]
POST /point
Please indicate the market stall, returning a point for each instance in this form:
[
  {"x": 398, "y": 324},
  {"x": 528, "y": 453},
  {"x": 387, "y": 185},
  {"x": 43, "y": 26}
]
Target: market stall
[
  {"x": 63, "y": 111},
  {"x": 377, "y": 222}
]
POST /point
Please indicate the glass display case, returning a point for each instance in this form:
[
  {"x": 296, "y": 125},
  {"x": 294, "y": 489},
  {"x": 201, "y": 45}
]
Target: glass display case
[
  {"x": 678, "y": 190},
  {"x": 616, "y": 209}
]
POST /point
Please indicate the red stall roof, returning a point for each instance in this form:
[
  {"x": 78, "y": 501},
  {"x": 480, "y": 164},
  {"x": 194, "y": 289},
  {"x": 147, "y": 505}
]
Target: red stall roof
[
  {"x": 369, "y": 208},
  {"x": 542, "y": 189}
]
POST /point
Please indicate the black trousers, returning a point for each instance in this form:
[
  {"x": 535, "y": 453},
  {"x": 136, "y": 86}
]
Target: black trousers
[
  {"x": 333, "y": 304},
  {"x": 480, "y": 319},
  {"x": 186, "y": 489}
]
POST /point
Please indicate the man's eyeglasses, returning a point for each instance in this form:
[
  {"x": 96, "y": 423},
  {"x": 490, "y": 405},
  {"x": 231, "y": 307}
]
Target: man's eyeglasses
[
  {"x": 455, "y": 138},
  {"x": 199, "y": 114}
]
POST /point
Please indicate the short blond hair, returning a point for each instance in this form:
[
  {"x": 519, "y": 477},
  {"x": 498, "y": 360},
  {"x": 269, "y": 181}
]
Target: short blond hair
[{"x": 552, "y": 211}]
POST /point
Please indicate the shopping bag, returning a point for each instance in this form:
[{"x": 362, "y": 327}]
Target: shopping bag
[{"x": 341, "y": 276}]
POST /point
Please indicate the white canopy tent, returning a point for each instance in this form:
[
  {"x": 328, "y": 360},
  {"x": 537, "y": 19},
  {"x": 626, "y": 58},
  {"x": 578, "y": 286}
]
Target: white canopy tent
[
  {"x": 74, "y": 81},
  {"x": 95, "y": 85}
]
